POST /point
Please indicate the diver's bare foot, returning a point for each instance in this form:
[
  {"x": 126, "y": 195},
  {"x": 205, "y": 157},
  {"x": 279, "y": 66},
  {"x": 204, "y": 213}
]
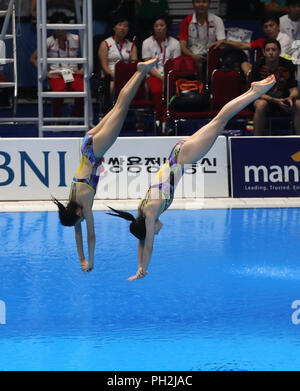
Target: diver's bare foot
[
  {"x": 139, "y": 274},
  {"x": 84, "y": 265},
  {"x": 263, "y": 86},
  {"x": 91, "y": 266},
  {"x": 146, "y": 66}
]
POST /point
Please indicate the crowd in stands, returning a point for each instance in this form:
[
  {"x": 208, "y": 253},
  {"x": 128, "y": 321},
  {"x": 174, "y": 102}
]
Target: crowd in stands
[
  {"x": 136, "y": 30},
  {"x": 202, "y": 31}
]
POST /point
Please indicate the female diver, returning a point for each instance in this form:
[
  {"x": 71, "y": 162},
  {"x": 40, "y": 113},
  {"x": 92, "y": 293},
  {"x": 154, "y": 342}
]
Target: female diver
[
  {"x": 187, "y": 151},
  {"x": 95, "y": 143}
]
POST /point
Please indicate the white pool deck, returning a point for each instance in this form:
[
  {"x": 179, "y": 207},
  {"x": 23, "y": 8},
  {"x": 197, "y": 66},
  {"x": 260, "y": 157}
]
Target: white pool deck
[{"x": 207, "y": 203}]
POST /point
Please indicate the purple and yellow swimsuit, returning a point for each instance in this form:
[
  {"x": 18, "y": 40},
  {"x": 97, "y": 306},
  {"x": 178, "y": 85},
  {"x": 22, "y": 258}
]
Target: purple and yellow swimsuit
[
  {"x": 167, "y": 188},
  {"x": 87, "y": 154}
]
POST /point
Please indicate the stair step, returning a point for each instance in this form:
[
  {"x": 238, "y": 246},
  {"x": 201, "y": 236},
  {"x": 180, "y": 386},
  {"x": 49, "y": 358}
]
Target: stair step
[
  {"x": 65, "y": 128},
  {"x": 60, "y": 26},
  {"x": 7, "y": 84},
  {"x": 70, "y": 94}
]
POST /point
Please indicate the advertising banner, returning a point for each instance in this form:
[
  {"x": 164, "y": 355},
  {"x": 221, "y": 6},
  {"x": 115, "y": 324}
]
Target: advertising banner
[
  {"x": 265, "y": 166},
  {"x": 128, "y": 175},
  {"x": 33, "y": 169}
]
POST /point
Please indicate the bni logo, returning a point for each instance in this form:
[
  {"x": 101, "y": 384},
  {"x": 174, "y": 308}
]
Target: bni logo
[{"x": 2, "y": 312}]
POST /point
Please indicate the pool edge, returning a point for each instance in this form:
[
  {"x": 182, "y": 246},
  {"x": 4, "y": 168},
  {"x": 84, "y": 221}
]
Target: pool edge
[{"x": 188, "y": 204}]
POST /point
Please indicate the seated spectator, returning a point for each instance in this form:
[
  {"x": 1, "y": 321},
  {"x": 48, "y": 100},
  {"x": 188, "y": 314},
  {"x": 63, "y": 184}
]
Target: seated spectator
[
  {"x": 63, "y": 77},
  {"x": 283, "y": 97},
  {"x": 277, "y": 7},
  {"x": 272, "y": 31},
  {"x": 163, "y": 46},
  {"x": 116, "y": 48},
  {"x": 53, "y": 6},
  {"x": 290, "y": 22},
  {"x": 199, "y": 30}
]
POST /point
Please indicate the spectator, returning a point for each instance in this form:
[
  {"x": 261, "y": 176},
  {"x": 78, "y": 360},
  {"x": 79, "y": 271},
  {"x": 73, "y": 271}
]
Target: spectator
[
  {"x": 163, "y": 46},
  {"x": 53, "y": 6},
  {"x": 63, "y": 77},
  {"x": 272, "y": 31},
  {"x": 199, "y": 30},
  {"x": 277, "y": 7},
  {"x": 116, "y": 48},
  {"x": 290, "y": 22},
  {"x": 284, "y": 94}
]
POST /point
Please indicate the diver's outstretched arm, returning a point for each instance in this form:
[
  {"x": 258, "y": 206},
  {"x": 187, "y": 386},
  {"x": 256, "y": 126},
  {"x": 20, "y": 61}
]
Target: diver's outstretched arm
[
  {"x": 84, "y": 264},
  {"x": 145, "y": 250},
  {"x": 91, "y": 237}
]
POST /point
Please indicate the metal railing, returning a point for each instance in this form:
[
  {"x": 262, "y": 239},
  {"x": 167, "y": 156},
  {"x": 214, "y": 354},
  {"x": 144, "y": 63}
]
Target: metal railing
[
  {"x": 10, "y": 16},
  {"x": 84, "y": 26}
]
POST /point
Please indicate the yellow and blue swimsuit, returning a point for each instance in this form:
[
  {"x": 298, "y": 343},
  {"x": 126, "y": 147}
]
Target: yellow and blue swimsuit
[
  {"x": 87, "y": 153},
  {"x": 167, "y": 188}
]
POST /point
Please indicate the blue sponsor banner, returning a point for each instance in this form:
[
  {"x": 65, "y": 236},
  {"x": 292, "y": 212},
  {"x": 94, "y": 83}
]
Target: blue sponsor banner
[{"x": 265, "y": 166}]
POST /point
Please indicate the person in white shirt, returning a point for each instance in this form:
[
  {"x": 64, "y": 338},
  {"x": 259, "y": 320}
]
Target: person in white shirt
[
  {"x": 116, "y": 48},
  {"x": 290, "y": 25},
  {"x": 199, "y": 30},
  {"x": 164, "y": 47},
  {"x": 272, "y": 31},
  {"x": 286, "y": 43},
  {"x": 290, "y": 22}
]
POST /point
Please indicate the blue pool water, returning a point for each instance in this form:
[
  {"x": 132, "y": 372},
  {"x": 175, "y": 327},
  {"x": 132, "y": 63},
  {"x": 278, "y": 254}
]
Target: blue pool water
[{"x": 218, "y": 295}]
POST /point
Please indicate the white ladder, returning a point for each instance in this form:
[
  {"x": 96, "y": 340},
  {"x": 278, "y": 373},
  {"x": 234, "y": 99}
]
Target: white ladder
[
  {"x": 10, "y": 15},
  {"x": 84, "y": 17}
]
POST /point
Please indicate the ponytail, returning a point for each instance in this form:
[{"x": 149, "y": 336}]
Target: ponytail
[
  {"x": 67, "y": 214},
  {"x": 137, "y": 226}
]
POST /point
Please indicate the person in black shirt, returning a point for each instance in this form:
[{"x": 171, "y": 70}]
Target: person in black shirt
[{"x": 283, "y": 97}]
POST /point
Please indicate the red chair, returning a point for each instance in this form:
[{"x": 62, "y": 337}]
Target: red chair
[
  {"x": 123, "y": 72},
  {"x": 173, "y": 117},
  {"x": 226, "y": 86},
  {"x": 168, "y": 67},
  {"x": 213, "y": 58}
]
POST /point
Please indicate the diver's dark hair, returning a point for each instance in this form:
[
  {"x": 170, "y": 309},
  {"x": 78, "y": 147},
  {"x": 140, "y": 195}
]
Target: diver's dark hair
[
  {"x": 137, "y": 226},
  {"x": 67, "y": 214}
]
